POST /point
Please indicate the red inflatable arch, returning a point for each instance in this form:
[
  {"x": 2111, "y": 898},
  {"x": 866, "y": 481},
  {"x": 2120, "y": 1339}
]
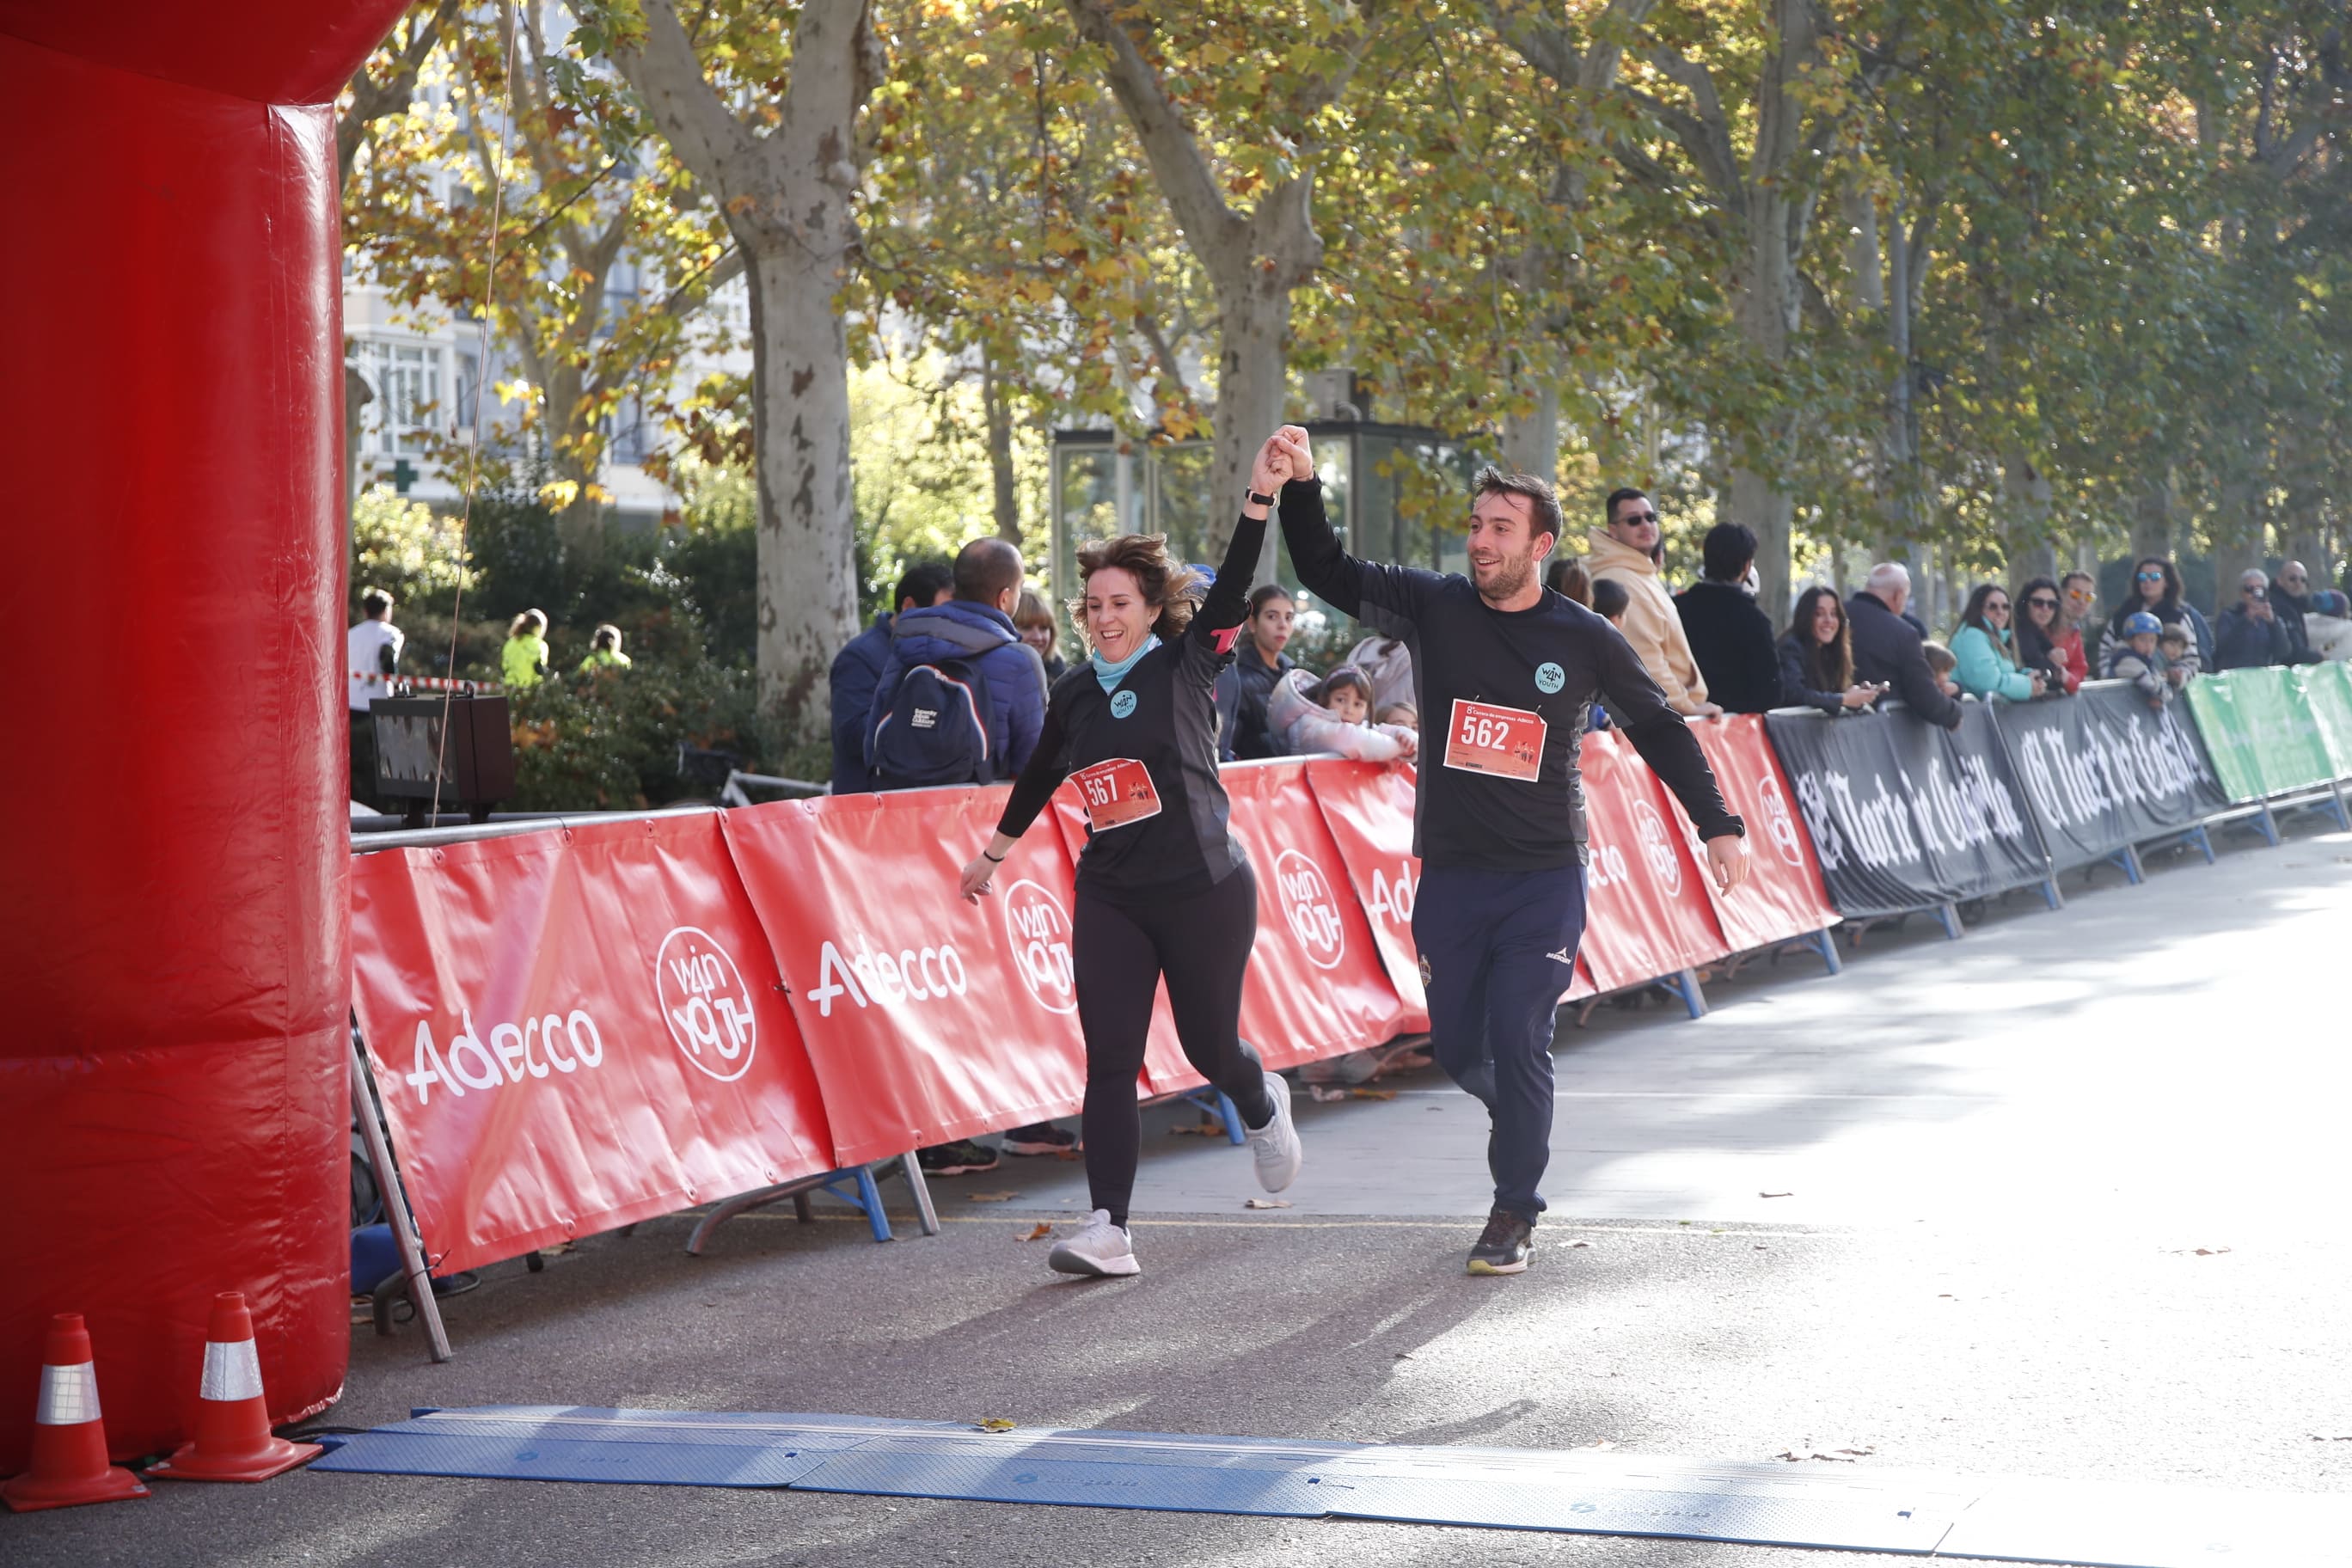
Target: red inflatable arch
[{"x": 173, "y": 924}]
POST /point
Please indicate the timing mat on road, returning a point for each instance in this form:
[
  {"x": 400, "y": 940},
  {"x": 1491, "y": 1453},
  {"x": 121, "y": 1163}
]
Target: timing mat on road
[{"x": 1585, "y": 1492}]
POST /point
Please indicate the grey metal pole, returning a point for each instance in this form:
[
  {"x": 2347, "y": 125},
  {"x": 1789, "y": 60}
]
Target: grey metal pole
[{"x": 395, "y": 1206}]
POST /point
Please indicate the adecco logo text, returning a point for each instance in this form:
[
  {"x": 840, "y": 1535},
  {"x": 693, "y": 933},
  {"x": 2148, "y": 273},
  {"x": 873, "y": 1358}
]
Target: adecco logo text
[
  {"x": 706, "y": 1004},
  {"x": 1040, "y": 929},
  {"x": 1778, "y": 825},
  {"x": 921, "y": 975},
  {"x": 1658, "y": 847},
  {"x": 549, "y": 1043},
  {"x": 1605, "y": 864},
  {"x": 1313, "y": 913},
  {"x": 1391, "y": 901}
]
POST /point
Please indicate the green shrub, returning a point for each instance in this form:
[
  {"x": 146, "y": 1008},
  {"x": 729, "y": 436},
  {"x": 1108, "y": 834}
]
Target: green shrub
[{"x": 608, "y": 741}]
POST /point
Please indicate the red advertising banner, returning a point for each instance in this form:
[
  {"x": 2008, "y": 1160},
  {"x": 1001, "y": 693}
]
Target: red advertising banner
[
  {"x": 1646, "y": 913},
  {"x": 1318, "y": 986},
  {"x": 1367, "y": 807},
  {"x": 928, "y": 1019},
  {"x": 573, "y": 1030},
  {"x": 1783, "y": 896}
]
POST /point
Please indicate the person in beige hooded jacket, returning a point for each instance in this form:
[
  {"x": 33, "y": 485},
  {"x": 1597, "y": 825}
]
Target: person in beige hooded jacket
[{"x": 1620, "y": 554}]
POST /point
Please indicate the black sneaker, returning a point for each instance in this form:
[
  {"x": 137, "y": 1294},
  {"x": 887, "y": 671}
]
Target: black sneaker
[
  {"x": 1041, "y": 1138},
  {"x": 961, "y": 1157},
  {"x": 1504, "y": 1246}
]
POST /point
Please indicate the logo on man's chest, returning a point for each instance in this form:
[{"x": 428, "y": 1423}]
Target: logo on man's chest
[
  {"x": 1122, "y": 703},
  {"x": 1549, "y": 677}
]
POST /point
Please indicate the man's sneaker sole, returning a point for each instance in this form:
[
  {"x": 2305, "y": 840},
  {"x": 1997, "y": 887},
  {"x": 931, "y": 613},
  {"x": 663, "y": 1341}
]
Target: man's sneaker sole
[
  {"x": 1061, "y": 1262},
  {"x": 961, "y": 1170},
  {"x": 1480, "y": 1266},
  {"x": 1032, "y": 1151}
]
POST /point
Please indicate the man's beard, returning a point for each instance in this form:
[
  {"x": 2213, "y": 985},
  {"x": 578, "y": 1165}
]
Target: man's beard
[{"x": 1510, "y": 577}]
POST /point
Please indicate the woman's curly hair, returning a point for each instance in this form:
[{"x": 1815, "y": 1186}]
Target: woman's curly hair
[{"x": 1169, "y": 586}]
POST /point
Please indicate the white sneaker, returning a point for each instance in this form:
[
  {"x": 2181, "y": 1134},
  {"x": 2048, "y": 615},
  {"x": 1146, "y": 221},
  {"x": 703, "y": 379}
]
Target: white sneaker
[
  {"x": 1275, "y": 1146},
  {"x": 1099, "y": 1248}
]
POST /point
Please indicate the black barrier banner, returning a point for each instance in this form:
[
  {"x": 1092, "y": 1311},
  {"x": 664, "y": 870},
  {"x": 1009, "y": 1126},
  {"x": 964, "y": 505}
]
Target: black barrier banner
[
  {"x": 2102, "y": 769},
  {"x": 1905, "y": 814}
]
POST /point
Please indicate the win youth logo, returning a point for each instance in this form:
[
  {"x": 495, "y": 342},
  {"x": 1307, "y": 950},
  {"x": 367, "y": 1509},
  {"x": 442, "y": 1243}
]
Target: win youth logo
[
  {"x": 1778, "y": 823},
  {"x": 1040, "y": 930},
  {"x": 1311, "y": 909},
  {"x": 1658, "y": 847},
  {"x": 706, "y": 1004}
]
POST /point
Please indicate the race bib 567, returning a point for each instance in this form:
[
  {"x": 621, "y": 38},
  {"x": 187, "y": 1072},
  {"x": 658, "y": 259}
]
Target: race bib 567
[{"x": 1117, "y": 792}]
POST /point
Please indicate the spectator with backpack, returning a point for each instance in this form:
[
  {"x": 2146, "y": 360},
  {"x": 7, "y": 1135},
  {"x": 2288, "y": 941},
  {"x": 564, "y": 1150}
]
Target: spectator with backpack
[
  {"x": 961, "y": 696},
  {"x": 857, "y": 669},
  {"x": 961, "y": 699}
]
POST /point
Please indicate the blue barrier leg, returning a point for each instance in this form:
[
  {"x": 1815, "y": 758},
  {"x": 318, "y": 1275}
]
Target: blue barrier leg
[
  {"x": 870, "y": 1198},
  {"x": 1825, "y": 940},
  {"x": 2049, "y": 894},
  {"x": 2335, "y": 808},
  {"x": 1694, "y": 999},
  {"x": 1949, "y": 915},
  {"x": 2203, "y": 839},
  {"x": 1217, "y": 1105}
]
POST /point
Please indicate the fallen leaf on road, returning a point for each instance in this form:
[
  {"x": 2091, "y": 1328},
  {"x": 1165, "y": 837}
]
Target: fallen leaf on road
[
  {"x": 990, "y": 1197},
  {"x": 995, "y": 1424},
  {"x": 1372, "y": 1094},
  {"x": 1580, "y": 1244},
  {"x": 1404, "y": 1355},
  {"x": 1198, "y": 1130},
  {"x": 1776, "y": 1195},
  {"x": 1842, "y": 1454},
  {"x": 1266, "y": 1203},
  {"x": 1040, "y": 1234}
]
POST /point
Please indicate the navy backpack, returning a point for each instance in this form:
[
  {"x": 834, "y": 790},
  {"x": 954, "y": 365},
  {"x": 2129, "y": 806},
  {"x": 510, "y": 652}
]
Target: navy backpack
[{"x": 935, "y": 731}]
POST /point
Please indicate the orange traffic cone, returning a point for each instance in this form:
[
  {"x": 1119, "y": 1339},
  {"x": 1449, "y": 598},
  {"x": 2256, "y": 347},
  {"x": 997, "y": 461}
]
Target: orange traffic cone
[
  {"x": 69, "y": 1438},
  {"x": 233, "y": 1441}
]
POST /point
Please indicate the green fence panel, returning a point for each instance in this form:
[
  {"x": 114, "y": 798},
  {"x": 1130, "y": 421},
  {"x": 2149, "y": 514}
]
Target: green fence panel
[
  {"x": 2260, "y": 730},
  {"x": 2327, "y": 689}
]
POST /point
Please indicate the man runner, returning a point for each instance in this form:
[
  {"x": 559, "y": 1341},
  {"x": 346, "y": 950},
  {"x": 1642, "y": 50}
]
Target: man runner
[{"x": 1505, "y": 672}]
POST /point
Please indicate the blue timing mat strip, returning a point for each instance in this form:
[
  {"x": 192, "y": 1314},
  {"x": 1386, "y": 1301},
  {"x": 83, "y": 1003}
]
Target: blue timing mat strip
[{"x": 1582, "y": 1492}]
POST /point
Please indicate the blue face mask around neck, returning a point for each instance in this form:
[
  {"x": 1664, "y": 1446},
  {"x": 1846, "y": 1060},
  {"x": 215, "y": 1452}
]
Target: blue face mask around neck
[{"x": 1110, "y": 674}]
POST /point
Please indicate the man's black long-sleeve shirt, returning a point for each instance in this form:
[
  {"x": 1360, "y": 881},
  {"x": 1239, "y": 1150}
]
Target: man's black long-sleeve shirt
[{"x": 1551, "y": 660}]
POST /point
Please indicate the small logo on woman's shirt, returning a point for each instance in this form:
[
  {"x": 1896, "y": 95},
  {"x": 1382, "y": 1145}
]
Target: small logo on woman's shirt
[{"x": 1122, "y": 703}]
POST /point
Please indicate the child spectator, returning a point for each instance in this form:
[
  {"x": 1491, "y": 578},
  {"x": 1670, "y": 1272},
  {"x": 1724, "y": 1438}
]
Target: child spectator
[
  {"x": 2140, "y": 659},
  {"x": 1334, "y": 715},
  {"x": 2173, "y": 642},
  {"x": 1940, "y": 664},
  {"x": 1610, "y": 600},
  {"x": 1403, "y": 713}
]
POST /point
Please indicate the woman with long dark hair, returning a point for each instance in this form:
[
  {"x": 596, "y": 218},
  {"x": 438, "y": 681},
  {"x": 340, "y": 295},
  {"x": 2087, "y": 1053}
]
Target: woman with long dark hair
[
  {"x": 1986, "y": 661},
  {"x": 2036, "y": 628},
  {"x": 1817, "y": 657},
  {"x": 2155, "y": 587},
  {"x": 1163, "y": 888}
]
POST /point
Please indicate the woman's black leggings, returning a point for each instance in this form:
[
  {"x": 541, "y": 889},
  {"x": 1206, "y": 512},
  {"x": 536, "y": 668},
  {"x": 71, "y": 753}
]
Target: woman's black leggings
[{"x": 1119, "y": 951}]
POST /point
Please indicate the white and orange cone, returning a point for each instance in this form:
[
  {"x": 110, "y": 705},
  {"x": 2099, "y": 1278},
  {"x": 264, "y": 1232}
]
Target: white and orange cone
[
  {"x": 68, "y": 1437},
  {"x": 233, "y": 1442}
]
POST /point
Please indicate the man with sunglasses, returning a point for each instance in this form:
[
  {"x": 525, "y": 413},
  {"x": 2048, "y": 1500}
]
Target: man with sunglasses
[
  {"x": 2290, "y": 602},
  {"x": 2250, "y": 632},
  {"x": 1624, "y": 551},
  {"x": 1506, "y": 672}
]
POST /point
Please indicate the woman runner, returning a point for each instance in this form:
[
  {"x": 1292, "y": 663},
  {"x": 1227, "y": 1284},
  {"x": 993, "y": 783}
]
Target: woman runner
[{"x": 1162, "y": 889}]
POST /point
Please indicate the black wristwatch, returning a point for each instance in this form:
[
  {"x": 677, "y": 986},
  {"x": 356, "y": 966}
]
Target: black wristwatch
[{"x": 1262, "y": 499}]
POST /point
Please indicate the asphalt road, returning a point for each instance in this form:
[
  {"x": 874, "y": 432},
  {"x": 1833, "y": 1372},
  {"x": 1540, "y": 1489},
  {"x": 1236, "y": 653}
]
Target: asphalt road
[{"x": 2063, "y": 1201}]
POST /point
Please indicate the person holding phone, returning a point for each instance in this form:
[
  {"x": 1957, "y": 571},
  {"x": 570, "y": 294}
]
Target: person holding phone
[
  {"x": 1163, "y": 888},
  {"x": 1817, "y": 658}
]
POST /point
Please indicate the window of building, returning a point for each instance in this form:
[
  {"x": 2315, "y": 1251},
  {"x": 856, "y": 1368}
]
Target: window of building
[{"x": 408, "y": 406}]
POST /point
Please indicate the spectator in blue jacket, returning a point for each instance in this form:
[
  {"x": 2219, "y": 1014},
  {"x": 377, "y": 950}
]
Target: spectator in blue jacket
[
  {"x": 858, "y": 666},
  {"x": 1986, "y": 665},
  {"x": 975, "y": 625}
]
